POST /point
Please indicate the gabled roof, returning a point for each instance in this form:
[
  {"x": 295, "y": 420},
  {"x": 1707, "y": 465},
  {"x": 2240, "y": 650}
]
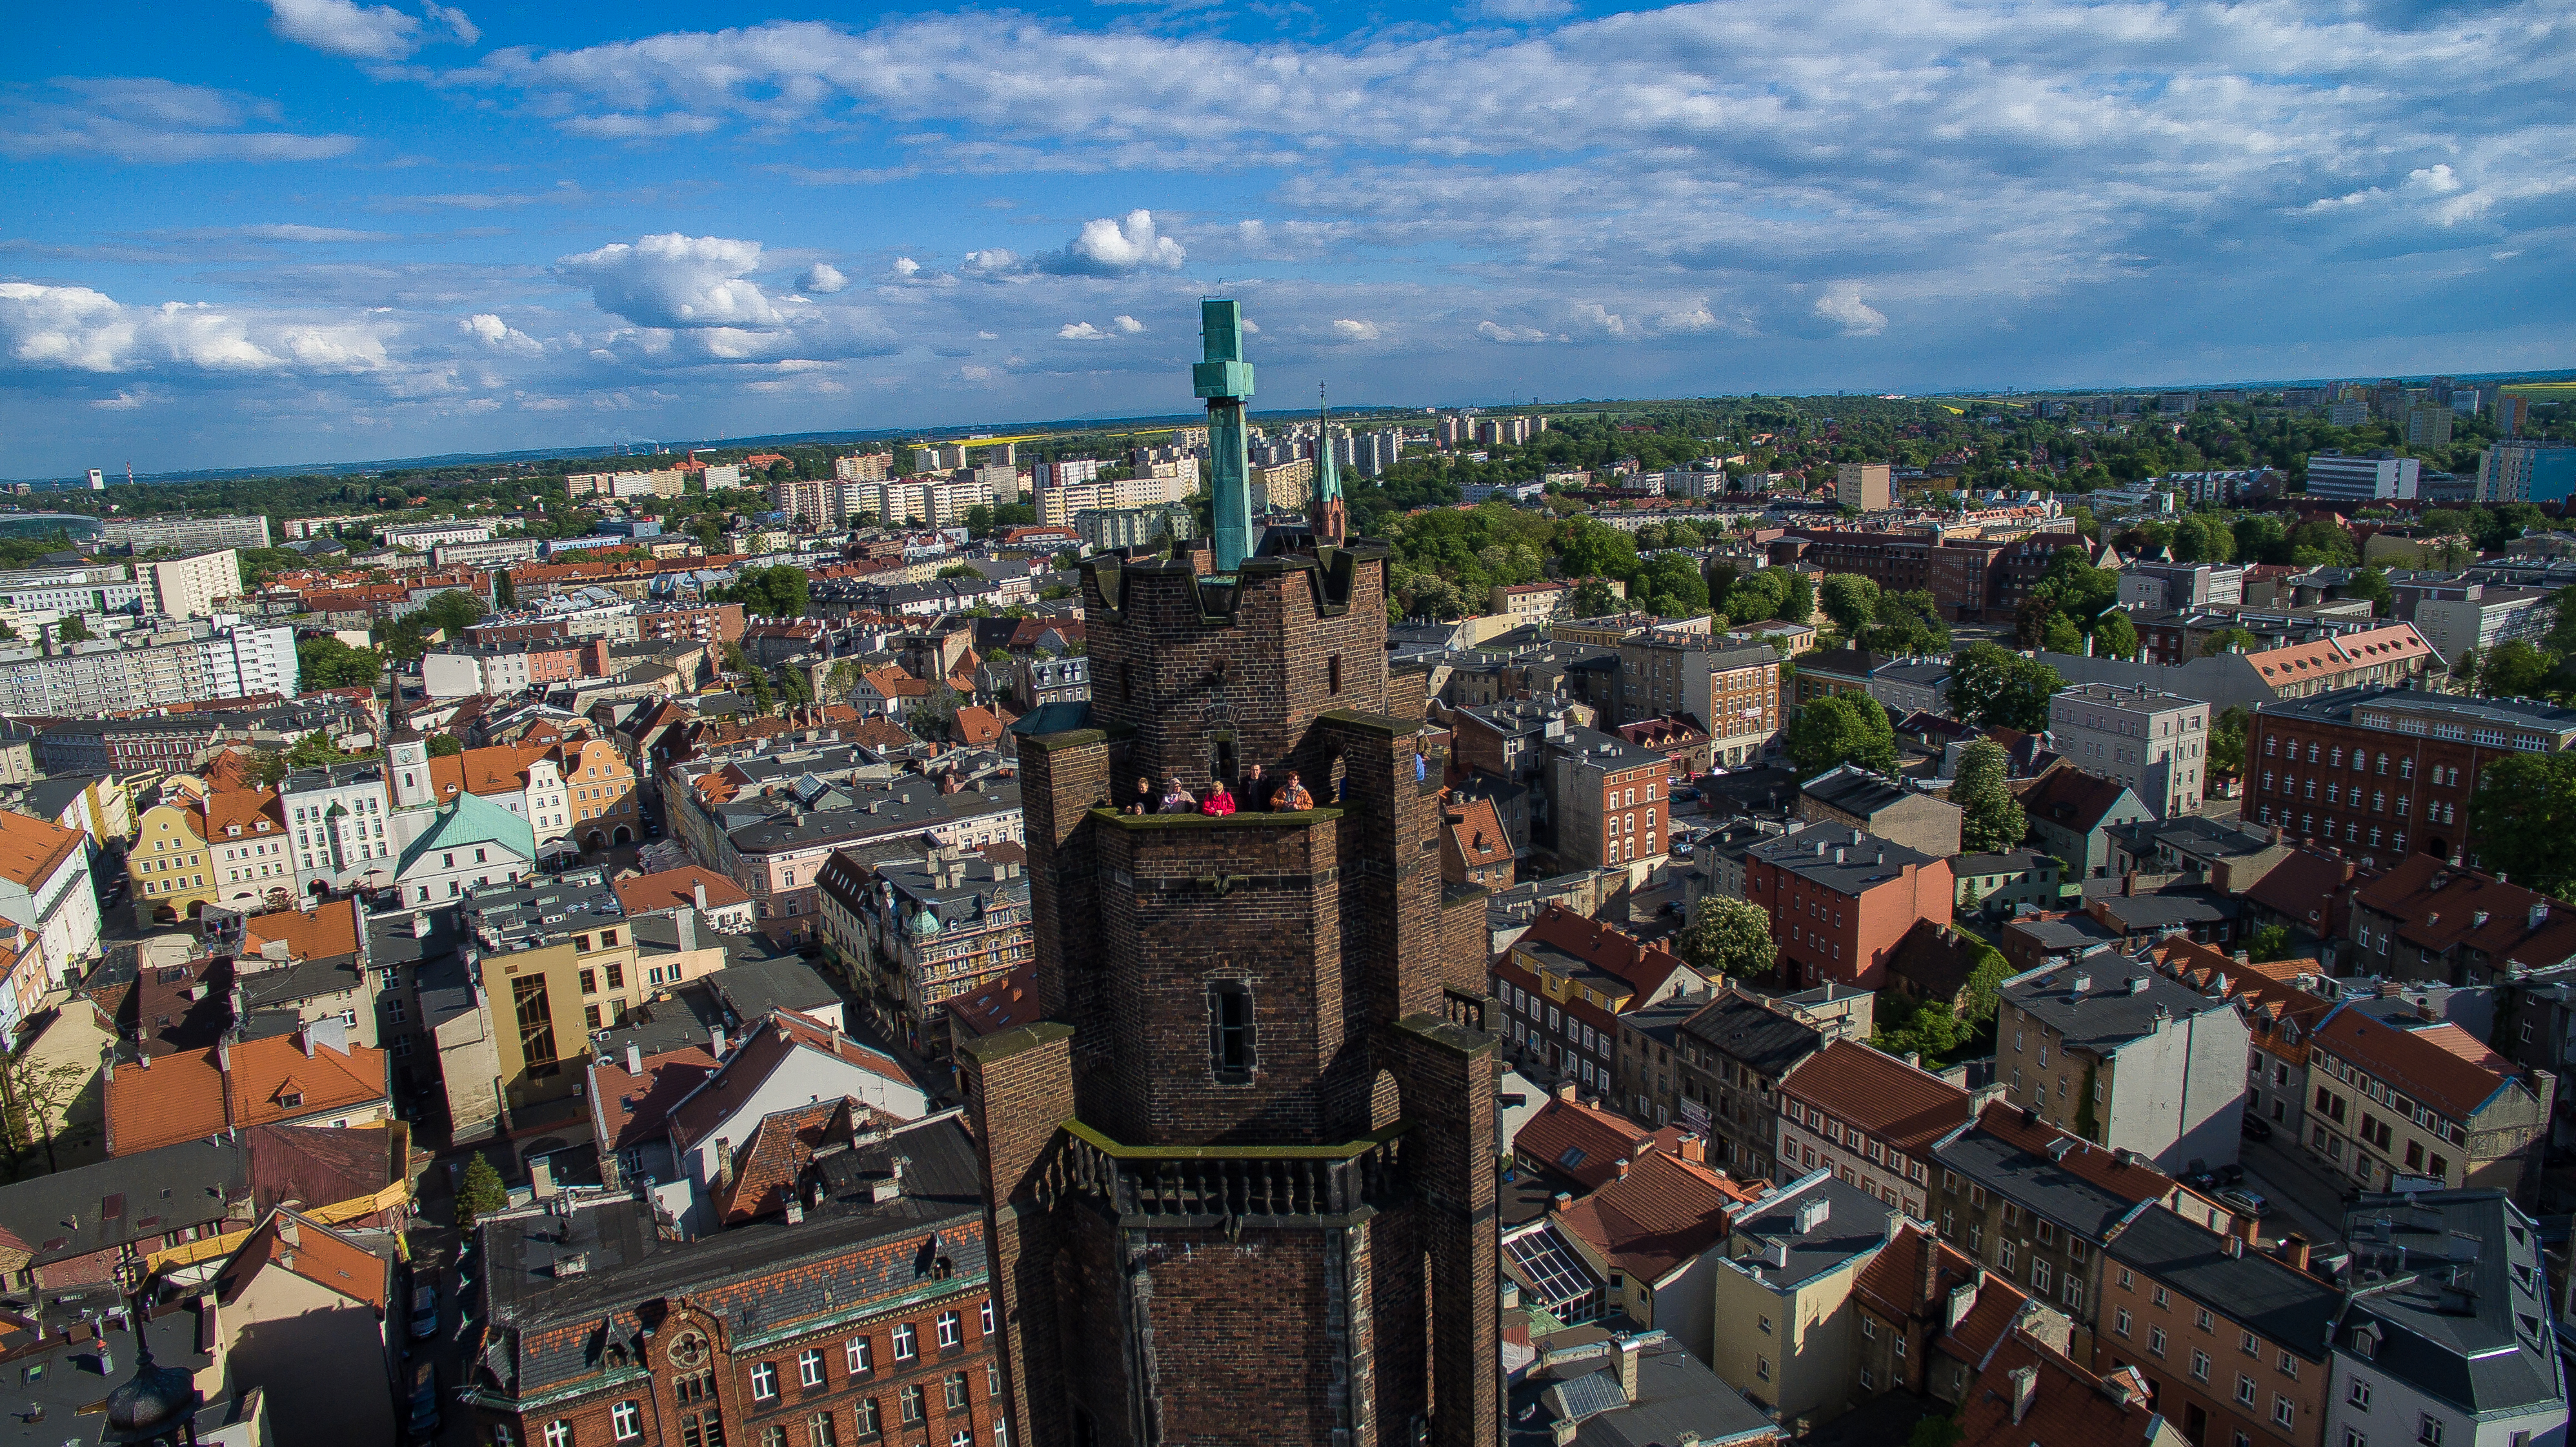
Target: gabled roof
[
  {"x": 194, "y": 1093},
  {"x": 628, "y": 1109},
  {"x": 1902, "y": 1104},
  {"x": 467, "y": 820},
  {"x": 999, "y": 1005},
  {"x": 1661, "y": 1215},
  {"x": 976, "y": 727},
  {"x": 765, "y": 1167},
  {"x": 1605, "y": 948},
  {"x": 1477, "y": 833},
  {"x": 255, "y": 812},
  {"x": 767, "y": 1047},
  {"x": 292, "y": 1241},
  {"x": 2066, "y": 1403},
  {"x": 330, "y": 930},
  {"x": 1585, "y": 1143},
  {"x": 2440, "y": 906},
  {"x": 2279, "y": 1015},
  {"x": 1745, "y": 1027},
  {"x": 502, "y": 769},
  {"x": 676, "y": 889},
  {"x": 2438, "y": 1063},
  {"x": 2074, "y": 800},
  {"x": 2299, "y": 662},
  {"x": 2073, "y": 1182},
  {"x": 32, "y": 849}
]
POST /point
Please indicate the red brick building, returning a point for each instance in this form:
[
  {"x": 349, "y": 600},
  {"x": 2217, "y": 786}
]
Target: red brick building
[
  {"x": 2384, "y": 772},
  {"x": 1608, "y": 799},
  {"x": 1241, "y": 1169},
  {"x": 1840, "y": 900},
  {"x": 1969, "y": 578},
  {"x": 1562, "y": 987},
  {"x": 862, "y": 1311},
  {"x": 697, "y": 622}
]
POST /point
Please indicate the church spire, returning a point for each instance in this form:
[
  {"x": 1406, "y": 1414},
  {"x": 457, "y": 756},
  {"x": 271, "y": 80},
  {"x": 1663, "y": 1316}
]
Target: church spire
[{"x": 1329, "y": 519}]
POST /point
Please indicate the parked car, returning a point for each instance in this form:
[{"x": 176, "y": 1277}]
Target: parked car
[
  {"x": 2255, "y": 1127},
  {"x": 2245, "y": 1202},
  {"x": 425, "y": 1419},
  {"x": 1681, "y": 849},
  {"x": 424, "y": 1311}
]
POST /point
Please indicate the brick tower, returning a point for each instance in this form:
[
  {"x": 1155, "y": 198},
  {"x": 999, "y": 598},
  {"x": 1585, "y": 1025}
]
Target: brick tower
[{"x": 1241, "y": 1177}]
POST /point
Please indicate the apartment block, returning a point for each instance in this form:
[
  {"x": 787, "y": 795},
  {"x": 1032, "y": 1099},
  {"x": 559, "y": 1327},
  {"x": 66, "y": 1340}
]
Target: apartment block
[
  {"x": 1607, "y": 798},
  {"x": 862, "y": 467},
  {"x": 2111, "y": 1051},
  {"x": 144, "y": 535},
  {"x": 2155, "y": 743},
  {"x": 2233, "y": 1342},
  {"x": 2399, "y": 1101},
  {"x": 2381, "y": 476},
  {"x": 1732, "y": 690},
  {"x": 1840, "y": 900},
  {"x": 190, "y": 586},
  {"x": 2387, "y": 770},
  {"x": 1864, "y": 485},
  {"x": 2526, "y": 471},
  {"x": 1869, "y": 1119}
]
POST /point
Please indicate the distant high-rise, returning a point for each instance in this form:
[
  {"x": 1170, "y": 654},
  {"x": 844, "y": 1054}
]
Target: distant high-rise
[
  {"x": 97, "y": 480},
  {"x": 1864, "y": 485},
  {"x": 2428, "y": 424}
]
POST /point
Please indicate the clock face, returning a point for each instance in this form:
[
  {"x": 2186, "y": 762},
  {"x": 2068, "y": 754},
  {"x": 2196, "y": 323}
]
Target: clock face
[{"x": 689, "y": 1351}]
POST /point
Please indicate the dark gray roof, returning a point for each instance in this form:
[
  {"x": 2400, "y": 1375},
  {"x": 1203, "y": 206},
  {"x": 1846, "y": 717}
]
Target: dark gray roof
[
  {"x": 1606, "y": 751},
  {"x": 1741, "y": 1028},
  {"x": 67, "y": 1214},
  {"x": 58, "y": 1379},
  {"x": 546, "y": 908},
  {"x": 393, "y": 938},
  {"x": 2454, "y": 1282},
  {"x": 1660, "y": 1021},
  {"x": 286, "y": 985},
  {"x": 2121, "y": 1000},
  {"x": 751, "y": 991},
  {"x": 1855, "y": 1223},
  {"x": 2336, "y": 705},
  {"x": 1678, "y": 1398},
  {"x": 2261, "y": 1293},
  {"x": 2166, "y": 909},
  {"x": 1865, "y": 860},
  {"x": 1854, "y": 790},
  {"x": 47, "y": 798},
  {"x": 2034, "y": 1182},
  {"x": 2076, "y": 932},
  {"x": 2013, "y": 862},
  {"x": 539, "y": 1325}
]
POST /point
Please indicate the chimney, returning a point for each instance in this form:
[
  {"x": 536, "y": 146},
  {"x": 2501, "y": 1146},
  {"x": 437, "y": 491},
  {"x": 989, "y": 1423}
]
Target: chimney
[
  {"x": 700, "y": 890},
  {"x": 2294, "y": 1250},
  {"x": 724, "y": 1162},
  {"x": 686, "y": 928},
  {"x": 634, "y": 1058},
  {"x": 420, "y": 926},
  {"x": 1562, "y": 1203},
  {"x": 716, "y": 1042},
  {"x": 1930, "y": 1284},
  {"x": 287, "y": 1230},
  {"x": 1694, "y": 1147},
  {"x": 1565, "y": 1091},
  {"x": 1812, "y": 1213},
  {"x": 2235, "y": 1246},
  {"x": 2539, "y": 912},
  {"x": 1628, "y": 1354},
  {"x": 2025, "y": 1387},
  {"x": 1623, "y": 1169}
]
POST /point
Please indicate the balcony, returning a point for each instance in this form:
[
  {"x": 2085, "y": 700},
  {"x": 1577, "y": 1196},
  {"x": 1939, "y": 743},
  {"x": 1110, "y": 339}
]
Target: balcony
[{"x": 1226, "y": 1185}]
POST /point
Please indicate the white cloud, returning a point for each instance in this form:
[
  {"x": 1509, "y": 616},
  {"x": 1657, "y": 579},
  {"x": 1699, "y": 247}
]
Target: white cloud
[
  {"x": 1522, "y": 11},
  {"x": 1347, "y": 330},
  {"x": 905, "y": 268},
  {"x": 499, "y": 335},
  {"x": 676, "y": 281},
  {"x": 124, "y": 401},
  {"x": 1497, "y": 332},
  {"x": 823, "y": 279},
  {"x": 76, "y": 329},
  {"x": 154, "y": 122},
  {"x": 1128, "y": 324},
  {"x": 1114, "y": 248},
  {"x": 1081, "y": 332},
  {"x": 1842, "y": 305},
  {"x": 365, "y": 32}
]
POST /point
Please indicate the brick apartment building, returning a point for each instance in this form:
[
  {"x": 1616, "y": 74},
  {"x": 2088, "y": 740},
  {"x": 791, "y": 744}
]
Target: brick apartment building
[
  {"x": 1841, "y": 899},
  {"x": 1969, "y": 578},
  {"x": 2395, "y": 1097},
  {"x": 1733, "y": 689},
  {"x": 1246, "y": 1023},
  {"x": 1607, "y": 798},
  {"x": 696, "y": 622},
  {"x": 1869, "y": 1118},
  {"x": 1563, "y": 986},
  {"x": 856, "y": 1306},
  {"x": 2384, "y": 771},
  {"x": 2233, "y": 1342}
]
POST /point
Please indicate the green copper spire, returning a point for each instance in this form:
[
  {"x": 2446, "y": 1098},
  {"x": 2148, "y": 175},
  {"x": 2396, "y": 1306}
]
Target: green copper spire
[
  {"x": 1225, "y": 380},
  {"x": 1327, "y": 516}
]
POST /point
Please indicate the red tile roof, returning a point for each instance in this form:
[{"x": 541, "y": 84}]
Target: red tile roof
[
  {"x": 629, "y": 1109},
  {"x": 192, "y": 1093},
  {"x": 2439, "y": 1064},
  {"x": 2280, "y": 1015},
  {"x": 675, "y": 888},
  {"x": 317, "y": 1253},
  {"x": 2299, "y": 663},
  {"x": 1902, "y": 1104},
  {"x": 2066, "y": 1404},
  {"x": 332, "y": 929},
  {"x": 2440, "y": 906},
  {"x": 1004, "y": 1004},
  {"x": 1665, "y": 1212},
  {"x": 766, "y": 1166},
  {"x": 1605, "y": 948},
  {"x": 1477, "y": 831},
  {"x": 1585, "y": 1142},
  {"x": 32, "y": 849},
  {"x": 2131, "y": 1180}
]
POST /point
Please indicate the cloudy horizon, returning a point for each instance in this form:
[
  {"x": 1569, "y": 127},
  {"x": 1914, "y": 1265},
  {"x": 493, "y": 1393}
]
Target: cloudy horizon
[{"x": 309, "y": 230}]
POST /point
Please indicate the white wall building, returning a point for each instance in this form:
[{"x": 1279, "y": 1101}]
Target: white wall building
[
  {"x": 45, "y": 886},
  {"x": 189, "y": 587},
  {"x": 336, "y": 821},
  {"x": 2346, "y": 478},
  {"x": 421, "y": 537},
  {"x": 2156, "y": 743}
]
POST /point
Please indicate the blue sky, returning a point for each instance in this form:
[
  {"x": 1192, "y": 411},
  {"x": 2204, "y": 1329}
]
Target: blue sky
[{"x": 276, "y": 231}]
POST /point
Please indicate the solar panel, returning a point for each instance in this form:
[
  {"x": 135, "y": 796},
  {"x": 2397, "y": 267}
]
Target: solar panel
[{"x": 1554, "y": 1272}]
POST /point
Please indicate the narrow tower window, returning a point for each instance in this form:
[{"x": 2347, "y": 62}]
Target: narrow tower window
[
  {"x": 1333, "y": 673},
  {"x": 1230, "y": 1030}
]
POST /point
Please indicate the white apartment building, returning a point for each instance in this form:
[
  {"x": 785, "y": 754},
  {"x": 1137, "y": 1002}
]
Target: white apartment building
[
  {"x": 819, "y": 502},
  {"x": 335, "y": 821},
  {"x": 45, "y": 886},
  {"x": 190, "y": 586},
  {"x": 421, "y": 537},
  {"x": 243, "y": 660},
  {"x": 1056, "y": 506},
  {"x": 1065, "y": 473},
  {"x": 724, "y": 474},
  {"x": 936, "y": 501},
  {"x": 88, "y": 588},
  {"x": 2486, "y": 617},
  {"x": 144, "y": 535},
  {"x": 2347, "y": 478},
  {"x": 491, "y": 552},
  {"x": 2157, "y": 743}
]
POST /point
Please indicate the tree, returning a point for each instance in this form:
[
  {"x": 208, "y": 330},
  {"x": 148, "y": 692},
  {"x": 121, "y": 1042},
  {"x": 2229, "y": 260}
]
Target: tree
[
  {"x": 2515, "y": 670},
  {"x": 36, "y": 1094},
  {"x": 960, "y": 570},
  {"x": 1985, "y": 988},
  {"x": 1592, "y": 599},
  {"x": 505, "y": 593},
  {"x": 445, "y": 745},
  {"x": 783, "y": 591},
  {"x": 2114, "y": 636},
  {"x": 1921, "y": 1028},
  {"x": 2229, "y": 640},
  {"x": 2227, "y": 740},
  {"x": 937, "y": 709},
  {"x": 1846, "y": 728},
  {"x": 2372, "y": 585},
  {"x": 72, "y": 629},
  {"x": 1851, "y": 601},
  {"x": 1991, "y": 686},
  {"x": 843, "y": 677},
  {"x": 1730, "y": 937},
  {"x": 2061, "y": 635},
  {"x": 2271, "y": 942},
  {"x": 2524, "y": 817},
  {"x": 1797, "y": 599},
  {"x": 330, "y": 663},
  {"x": 1991, "y": 818},
  {"x": 453, "y": 611},
  {"x": 480, "y": 1193}
]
